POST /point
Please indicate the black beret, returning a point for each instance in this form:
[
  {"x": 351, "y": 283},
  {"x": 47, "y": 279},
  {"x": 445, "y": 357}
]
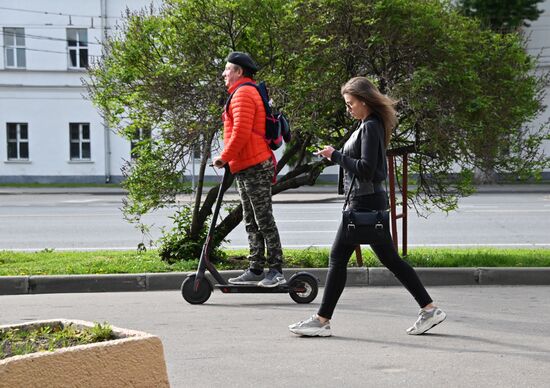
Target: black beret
[{"x": 243, "y": 60}]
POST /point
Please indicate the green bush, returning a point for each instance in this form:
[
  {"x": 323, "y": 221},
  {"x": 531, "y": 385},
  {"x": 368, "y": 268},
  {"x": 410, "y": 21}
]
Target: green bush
[{"x": 177, "y": 244}]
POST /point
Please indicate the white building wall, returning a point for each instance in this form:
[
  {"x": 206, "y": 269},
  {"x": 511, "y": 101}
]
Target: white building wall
[
  {"x": 538, "y": 35},
  {"x": 48, "y": 95}
]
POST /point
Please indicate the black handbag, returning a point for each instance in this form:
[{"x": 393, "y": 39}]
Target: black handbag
[{"x": 365, "y": 226}]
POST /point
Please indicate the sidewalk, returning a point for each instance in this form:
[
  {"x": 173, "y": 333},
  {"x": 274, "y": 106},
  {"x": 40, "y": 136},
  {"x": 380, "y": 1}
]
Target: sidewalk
[{"x": 357, "y": 277}]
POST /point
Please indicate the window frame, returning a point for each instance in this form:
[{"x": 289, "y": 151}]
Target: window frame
[
  {"x": 77, "y": 48},
  {"x": 80, "y": 141},
  {"x": 18, "y": 141},
  {"x": 15, "y": 34},
  {"x": 140, "y": 135}
]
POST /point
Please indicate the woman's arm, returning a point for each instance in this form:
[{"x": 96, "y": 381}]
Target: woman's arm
[{"x": 364, "y": 167}]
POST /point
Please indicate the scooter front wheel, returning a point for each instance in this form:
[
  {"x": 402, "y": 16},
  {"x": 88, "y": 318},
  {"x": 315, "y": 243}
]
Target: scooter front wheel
[
  {"x": 193, "y": 296},
  {"x": 303, "y": 288}
]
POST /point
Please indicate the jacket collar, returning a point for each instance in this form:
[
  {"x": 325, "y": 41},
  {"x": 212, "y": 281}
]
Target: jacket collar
[{"x": 238, "y": 83}]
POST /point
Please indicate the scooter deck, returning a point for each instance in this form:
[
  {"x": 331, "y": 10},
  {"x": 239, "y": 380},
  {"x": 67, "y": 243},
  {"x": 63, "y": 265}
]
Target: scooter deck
[{"x": 251, "y": 288}]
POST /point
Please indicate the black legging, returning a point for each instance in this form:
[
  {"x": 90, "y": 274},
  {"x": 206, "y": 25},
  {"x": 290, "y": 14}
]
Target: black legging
[{"x": 341, "y": 252}]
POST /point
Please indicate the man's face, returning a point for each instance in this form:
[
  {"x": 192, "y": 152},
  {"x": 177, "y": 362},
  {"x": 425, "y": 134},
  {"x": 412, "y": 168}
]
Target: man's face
[{"x": 231, "y": 74}]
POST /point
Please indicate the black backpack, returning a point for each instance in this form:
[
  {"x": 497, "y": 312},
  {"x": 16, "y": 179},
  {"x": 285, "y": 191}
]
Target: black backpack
[{"x": 277, "y": 128}]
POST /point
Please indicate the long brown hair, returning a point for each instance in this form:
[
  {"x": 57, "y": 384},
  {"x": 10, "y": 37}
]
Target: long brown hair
[{"x": 364, "y": 90}]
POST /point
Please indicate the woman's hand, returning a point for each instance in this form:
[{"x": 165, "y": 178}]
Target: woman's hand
[{"x": 325, "y": 152}]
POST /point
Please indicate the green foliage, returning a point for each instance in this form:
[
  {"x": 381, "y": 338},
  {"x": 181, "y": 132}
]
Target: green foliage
[
  {"x": 466, "y": 94},
  {"x": 14, "y": 342},
  {"x": 502, "y": 16},
  {"x": 177, "y": 243}
]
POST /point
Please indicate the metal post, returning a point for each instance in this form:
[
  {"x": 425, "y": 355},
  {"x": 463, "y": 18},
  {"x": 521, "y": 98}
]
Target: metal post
[
  {"x": 391, "y": 167},
  {"x": 358, "y": 256},
  {"x": 404, "y": 195}
]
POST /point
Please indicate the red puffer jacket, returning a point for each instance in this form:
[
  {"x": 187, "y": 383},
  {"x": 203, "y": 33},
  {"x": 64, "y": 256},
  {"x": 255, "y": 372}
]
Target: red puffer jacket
[{"x": 243, "y": 124}]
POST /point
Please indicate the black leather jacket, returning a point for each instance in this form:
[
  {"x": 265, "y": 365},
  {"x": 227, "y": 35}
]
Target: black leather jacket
[{"x": 364, "y": 155}]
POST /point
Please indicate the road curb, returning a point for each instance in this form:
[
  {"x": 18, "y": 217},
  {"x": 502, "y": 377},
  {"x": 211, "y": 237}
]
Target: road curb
[{"x": 357, "y": 277}]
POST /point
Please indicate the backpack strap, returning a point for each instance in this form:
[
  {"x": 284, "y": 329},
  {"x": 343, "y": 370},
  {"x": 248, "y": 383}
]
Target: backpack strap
[
  {"x": 226, "y": 107},
  {"x": 267, "y": 111}
]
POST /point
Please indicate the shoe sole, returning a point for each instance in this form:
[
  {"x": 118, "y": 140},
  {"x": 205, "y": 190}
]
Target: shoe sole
[
  {"x": 271, "y": 285},
  {"x": 245, "y": 283},
  {"x": 312, "y": 332},
  {"x": 431, "y": 327}
]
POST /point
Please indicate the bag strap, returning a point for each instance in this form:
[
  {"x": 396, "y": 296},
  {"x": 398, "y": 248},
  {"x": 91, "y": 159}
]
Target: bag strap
[
  {"x": 353, "y": 179},
  {"x": 226, "y": 107}
]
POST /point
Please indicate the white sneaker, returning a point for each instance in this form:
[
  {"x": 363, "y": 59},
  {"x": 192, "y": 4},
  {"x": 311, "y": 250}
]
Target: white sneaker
[
  {"x": 311, "y": 327},
  {"x": 426, "y": 320}
]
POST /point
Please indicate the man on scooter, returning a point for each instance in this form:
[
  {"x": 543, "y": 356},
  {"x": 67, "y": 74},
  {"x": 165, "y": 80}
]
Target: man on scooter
[{"x": 252, "y": 162}]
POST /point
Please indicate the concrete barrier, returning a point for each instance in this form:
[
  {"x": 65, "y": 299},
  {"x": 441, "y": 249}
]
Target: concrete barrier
[
  {"x": 514, "y": 276},
  {"x": 133, "y": 359},
  {"x": 86, "y": 283},
  {"x": 14, "y": 285}
]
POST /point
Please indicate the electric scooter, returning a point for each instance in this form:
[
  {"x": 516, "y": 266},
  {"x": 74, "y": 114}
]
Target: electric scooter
[{"x": 196, "y": 288}]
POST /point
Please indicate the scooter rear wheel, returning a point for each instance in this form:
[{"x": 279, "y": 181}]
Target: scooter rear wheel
[
  {"x": 199, "y": 296},
  {"x": 303, "y": 289}
]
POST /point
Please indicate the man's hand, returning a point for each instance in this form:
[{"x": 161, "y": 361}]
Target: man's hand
[
  {"x": 219, "y": 162},
  {"x": 325, "y": 152}
]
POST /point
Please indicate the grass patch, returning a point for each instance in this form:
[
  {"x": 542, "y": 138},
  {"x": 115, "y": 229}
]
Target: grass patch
[
  {"x": 51, "y": 262},
  {"x": 47, "y": 338}
]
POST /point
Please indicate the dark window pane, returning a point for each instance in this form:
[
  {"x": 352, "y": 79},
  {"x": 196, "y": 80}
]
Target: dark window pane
[
  {"x": 12, "y": 132},
  {"x": 23, "y": 131},
  {"x": 24, "y": 150},
  {"x": 10, "y": 57},
  {"x": 21, "y": 57},
  {"x": 75, "y": 150},
  {"x": 83, "y": 37},
  {"x": 72, "y": 58},
  {"x": 74, "y": 132},
  {"x": 85, "y": 131},
  {"x": 9, "y": 37},
  {"x": 71, "y": 37},
  {"x": 83, "y": 57},
  {"x": 12, "y": 150},
  {"x": 85, "y": 150},
  {"x": 20, "y": 36}
]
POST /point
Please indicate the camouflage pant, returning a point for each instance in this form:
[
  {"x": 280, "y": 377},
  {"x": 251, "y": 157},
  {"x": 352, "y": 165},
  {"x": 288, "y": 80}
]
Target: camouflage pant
[{"x": 254, "y": 185}]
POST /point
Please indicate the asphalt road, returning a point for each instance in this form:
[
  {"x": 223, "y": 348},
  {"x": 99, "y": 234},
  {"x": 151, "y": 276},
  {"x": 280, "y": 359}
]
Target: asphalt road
[
  {"x": 87, "y": 221},
  {"x": 493, "y": 336}
]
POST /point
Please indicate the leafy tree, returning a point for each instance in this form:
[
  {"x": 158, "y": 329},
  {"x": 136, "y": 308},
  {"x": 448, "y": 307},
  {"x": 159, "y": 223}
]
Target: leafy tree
[
  {"x": 502, "y": 16},
  {"x": 465, "y": 93}
]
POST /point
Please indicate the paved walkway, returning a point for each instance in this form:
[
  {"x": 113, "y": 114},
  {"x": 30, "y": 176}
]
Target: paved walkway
[{"x": 493, "y": 337}]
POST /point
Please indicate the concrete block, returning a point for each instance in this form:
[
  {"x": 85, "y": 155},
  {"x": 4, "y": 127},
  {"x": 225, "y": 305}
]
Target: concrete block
[
  {"x": 165, "y": 281},
  {"x": 514, "y": 276},
  {"x": 86, "y": 283},
  {"x": 381, "y": 277},
  {"x": 13, "y": 285},
  {"x": 448, "y": 276},
  {"x": 132, "y": 359}
]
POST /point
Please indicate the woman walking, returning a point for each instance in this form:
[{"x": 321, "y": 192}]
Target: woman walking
[{"x": 365, "y": 158}]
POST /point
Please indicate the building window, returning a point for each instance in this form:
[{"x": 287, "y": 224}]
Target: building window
[
  {"x": 138, "y": 141},
  {"x": 14, "y": 47},
  {"x": 80, "y": 141},
  {"x": 77, "y": 42},
  {"x": 18, "y": 141}
]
